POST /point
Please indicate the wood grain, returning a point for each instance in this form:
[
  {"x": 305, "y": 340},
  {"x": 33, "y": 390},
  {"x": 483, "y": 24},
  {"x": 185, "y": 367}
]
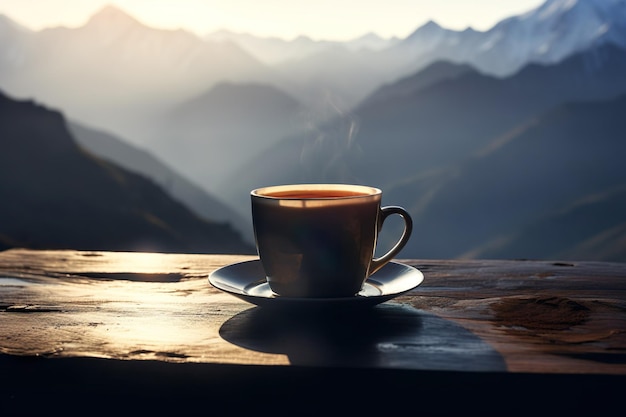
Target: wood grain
[
  {"x": 505, "y": 316},
  {"x": 104, "y": 333}
]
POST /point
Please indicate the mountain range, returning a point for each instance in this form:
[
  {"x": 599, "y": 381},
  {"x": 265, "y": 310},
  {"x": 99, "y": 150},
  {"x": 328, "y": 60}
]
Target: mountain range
[
  {"x": 546, "y": 34},
  {"x": 154, "y": 70},
  {"x": 446, "y": 122},
  {"x": 55, "y": 195},
  {"x": 424, "y": 121},
  {"x": 550, "y": 189},
  {"x": 415, "y": 135},
  {"x": 143, "y": 162},
  {"x": 214, "y": 133},
  {"x": 273, "y": 50},
  {"x": 115, "y": 73}
]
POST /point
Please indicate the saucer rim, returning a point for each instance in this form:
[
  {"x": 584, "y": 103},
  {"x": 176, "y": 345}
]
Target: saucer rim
[{"x": 278, "y": 301}]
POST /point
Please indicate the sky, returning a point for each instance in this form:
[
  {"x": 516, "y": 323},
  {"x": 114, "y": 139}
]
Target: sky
[{"x": 287, "y": 19}]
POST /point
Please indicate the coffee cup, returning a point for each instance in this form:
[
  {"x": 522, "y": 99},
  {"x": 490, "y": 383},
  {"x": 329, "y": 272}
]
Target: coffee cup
[{"x": 319, "y": 240}]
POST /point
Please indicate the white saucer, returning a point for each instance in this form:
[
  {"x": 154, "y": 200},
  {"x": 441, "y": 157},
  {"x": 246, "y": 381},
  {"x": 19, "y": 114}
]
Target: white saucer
[{"x": 247, "y": 281}]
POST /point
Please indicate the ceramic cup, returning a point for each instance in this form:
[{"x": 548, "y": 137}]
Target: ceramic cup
[{"x": 319, "y": 240}]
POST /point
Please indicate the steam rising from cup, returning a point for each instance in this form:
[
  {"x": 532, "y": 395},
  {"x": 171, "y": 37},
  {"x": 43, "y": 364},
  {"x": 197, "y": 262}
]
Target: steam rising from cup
[{"x": 327, "y": 154}]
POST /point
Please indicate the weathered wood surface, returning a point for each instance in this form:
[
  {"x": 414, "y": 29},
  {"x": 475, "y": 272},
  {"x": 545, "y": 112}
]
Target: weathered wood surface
[
  {"x": 469, "y": 316},
  {"x": 515, "y": 316}
]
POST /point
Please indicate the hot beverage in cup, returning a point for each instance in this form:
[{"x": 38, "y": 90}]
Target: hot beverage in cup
[{"x": 319, "y": 240}]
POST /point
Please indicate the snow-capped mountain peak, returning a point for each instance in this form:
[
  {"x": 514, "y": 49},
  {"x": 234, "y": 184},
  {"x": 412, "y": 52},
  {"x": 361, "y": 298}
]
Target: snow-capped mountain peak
[
  {"x": 553, "y": 31},
  {"x": 554, "y": 7}
]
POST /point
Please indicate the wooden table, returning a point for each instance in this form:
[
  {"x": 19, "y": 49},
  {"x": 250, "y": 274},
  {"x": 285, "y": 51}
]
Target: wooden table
[{"x": 103, "y": 332}]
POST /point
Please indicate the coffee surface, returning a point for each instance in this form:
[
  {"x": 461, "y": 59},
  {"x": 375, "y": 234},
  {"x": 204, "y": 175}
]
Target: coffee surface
[{"x": 300, "y": 194}]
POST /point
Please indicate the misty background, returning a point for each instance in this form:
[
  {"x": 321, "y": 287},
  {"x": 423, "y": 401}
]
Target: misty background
[{"x": 504, "y": 143}]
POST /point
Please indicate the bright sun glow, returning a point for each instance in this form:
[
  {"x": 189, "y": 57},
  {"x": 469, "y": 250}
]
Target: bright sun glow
[{"x": 319, "y": 19}]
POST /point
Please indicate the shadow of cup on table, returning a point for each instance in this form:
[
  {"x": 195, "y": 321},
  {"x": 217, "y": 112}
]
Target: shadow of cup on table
[{"x": 390, "y": 335}]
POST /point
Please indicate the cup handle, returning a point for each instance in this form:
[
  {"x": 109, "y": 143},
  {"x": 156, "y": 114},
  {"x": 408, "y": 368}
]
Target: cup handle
[{"x": 385, "y": 212}]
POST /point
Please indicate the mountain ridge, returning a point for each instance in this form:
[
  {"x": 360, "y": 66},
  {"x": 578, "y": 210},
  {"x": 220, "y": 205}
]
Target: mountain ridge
[
  {"x": 413, "y": 136},
  {"x": 238, "y": 119},
  {"x": 131, "y": 73},
  {"x": 347, "y": 73},
  {"x": 581, "y": 192},
  {"x": 55, "y": 195},
  {"x": 141, "y": 161},
  {"x": 401, "y": 114}
]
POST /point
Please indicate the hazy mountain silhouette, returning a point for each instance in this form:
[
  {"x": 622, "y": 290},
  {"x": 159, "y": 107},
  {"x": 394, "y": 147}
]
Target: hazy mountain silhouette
[
  {"x": 322, "y": 73},
  {"x": 336, "y": 76},
  {"x": 55, "y": 195},
  {"x": 212, "y": 135},
  {"x": 437, "y": 126},
  {"x": 145, "y": 163},
  {"x": 273, "y": 50},
  {"x": 12, "y": 43},
  {"x": 554, "y": 190},
  {"x": 115, "y": 73},
  {"x": 449, "y": 120},
  {"x": 546, "y": 34},
  {"x": 423, "y": 109},
  {"x": 432, "y": 74}
]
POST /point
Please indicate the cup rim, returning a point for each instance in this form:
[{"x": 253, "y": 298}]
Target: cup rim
[{"x": 366, "y": 190}]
